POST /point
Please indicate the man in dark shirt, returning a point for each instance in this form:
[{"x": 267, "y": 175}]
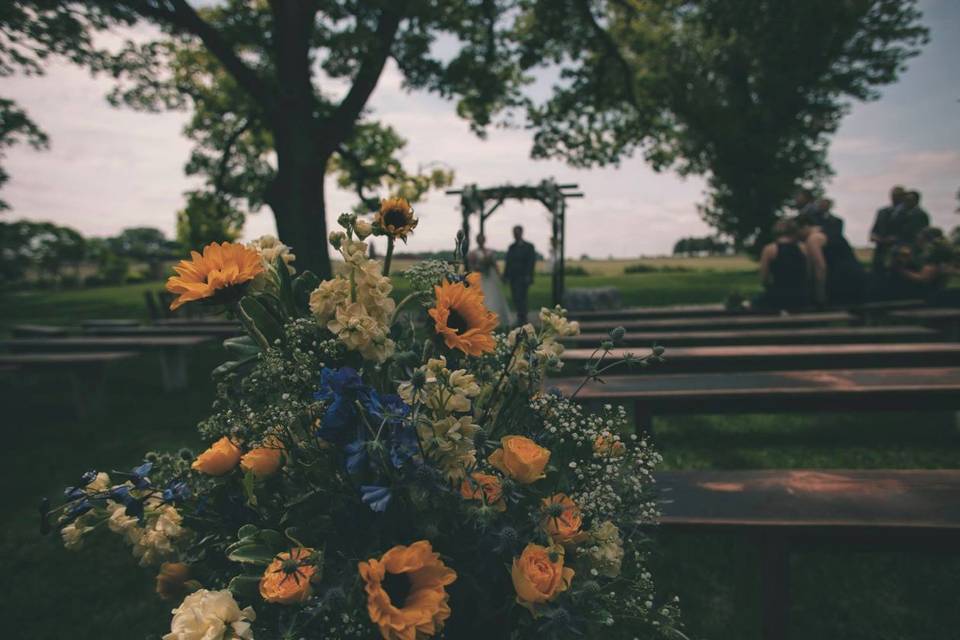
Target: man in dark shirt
[
  {"x": 521, "y": 260},
  {"x": 882, "y": 233},
  {"x": 913, "y": 220}
]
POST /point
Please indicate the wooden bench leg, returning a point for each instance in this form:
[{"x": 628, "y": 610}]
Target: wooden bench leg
[
  {"x": 173, "y": 368},
  {"x": 643, "y": 419},
  {"x": 775, "y": 588}
]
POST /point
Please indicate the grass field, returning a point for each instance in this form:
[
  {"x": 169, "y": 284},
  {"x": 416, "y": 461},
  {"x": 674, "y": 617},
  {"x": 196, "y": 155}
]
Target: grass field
[{"x": 51, "y": 594}]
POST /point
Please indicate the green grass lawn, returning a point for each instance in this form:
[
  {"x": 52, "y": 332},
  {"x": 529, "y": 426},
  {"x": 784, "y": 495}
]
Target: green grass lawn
[{"x": 49, "y": 593}]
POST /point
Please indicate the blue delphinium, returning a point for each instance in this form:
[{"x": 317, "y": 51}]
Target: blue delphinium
[
  {"x": 377, "y": 498},
  {"x": 340, "y": 389}
]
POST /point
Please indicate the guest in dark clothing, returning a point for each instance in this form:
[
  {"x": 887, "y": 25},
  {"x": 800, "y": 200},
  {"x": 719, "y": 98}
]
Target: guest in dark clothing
[
  {"x": 521, "y": 260},
  {"x": 924, "y": 271},
  {"x": 839, "y": 279},
  {"x": 912, "y": 220},
  {"x": 784, "y": 271},
  {"x": 884, "y": 234}
]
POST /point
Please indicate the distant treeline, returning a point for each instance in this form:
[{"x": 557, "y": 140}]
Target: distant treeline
[
  {"x": 43, "y": 254},
  {"x": 708, "y": 245}
]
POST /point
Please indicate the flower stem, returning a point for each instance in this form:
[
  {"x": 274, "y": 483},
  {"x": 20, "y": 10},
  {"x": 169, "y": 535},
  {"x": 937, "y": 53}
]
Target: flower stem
[{"x": 387, "y": 260}]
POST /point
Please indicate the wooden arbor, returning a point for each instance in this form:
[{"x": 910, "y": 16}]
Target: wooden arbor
[{"x": 553, "y": 196}]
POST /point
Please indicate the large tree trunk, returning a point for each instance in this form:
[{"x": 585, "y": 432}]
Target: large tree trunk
[{"x": 297, "y": 200}]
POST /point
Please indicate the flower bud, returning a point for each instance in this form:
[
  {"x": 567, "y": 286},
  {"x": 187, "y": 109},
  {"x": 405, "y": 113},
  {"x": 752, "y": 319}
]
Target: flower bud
[
  {"x": 336, "y": 238},
  {"x": 346, "y": 220},
  {"x": 618, "y": 333},
  {"x": 362, "y": 228}
]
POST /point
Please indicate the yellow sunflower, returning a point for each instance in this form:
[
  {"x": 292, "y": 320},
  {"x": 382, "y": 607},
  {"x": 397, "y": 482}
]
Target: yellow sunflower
[
  {"x": 396, "y": 218},
  {"x": 217, "y": 272},
  {"x": 406, "y": 595},
  {"x": 462, "y": 319}
]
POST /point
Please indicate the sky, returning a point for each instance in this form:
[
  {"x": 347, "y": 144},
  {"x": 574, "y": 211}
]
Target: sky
[{"x": 109, "y": 168}]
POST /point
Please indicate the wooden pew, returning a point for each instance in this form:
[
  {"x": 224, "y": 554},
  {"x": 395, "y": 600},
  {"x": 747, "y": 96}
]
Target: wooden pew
[
  {"x": 906, "y": 389},
  {"x": 769, "y": 358},
  {"x": 84, "y": 370},
  {"x": 109, "y": 323},
  {"x": 714, "y": 323},
  {"x": 946, "y": 320},
  {"x": 37, "y": 331},
  {"x": 781, "y": 510},
  {"x": 815, "y": 335},
  {"x": 173, "y": 350},
  {"x": 160, "y": 331},
  {"x": 648, "y": 313}
]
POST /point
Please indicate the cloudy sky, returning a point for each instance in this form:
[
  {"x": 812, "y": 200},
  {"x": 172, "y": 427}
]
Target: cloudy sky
[{"x": 112, "y": 168}]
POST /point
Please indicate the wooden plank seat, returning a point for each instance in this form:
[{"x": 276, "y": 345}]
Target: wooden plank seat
[
  {"x": 84, "y": 370},
  {"x": 945, "y": 319},
  {"x": 631, "y": 313},
  {"x": 110, "y": 322},
  {"x": 196, "y": 322},
  {"x": 814, "y": 335},
  {"x": 37, "y": 331},
  {"x": 173, "y": 350},
  {"x": 927, "y": 388},
  {"x": 160, "y": 331},
  {"x": 773, "y": 357},
  {"x": 715, "y": 323},
  {"x": 781, "y": 509}
]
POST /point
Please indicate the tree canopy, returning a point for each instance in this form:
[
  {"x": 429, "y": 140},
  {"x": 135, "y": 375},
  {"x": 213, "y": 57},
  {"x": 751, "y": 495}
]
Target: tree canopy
[{"x": 745, "y": 92}]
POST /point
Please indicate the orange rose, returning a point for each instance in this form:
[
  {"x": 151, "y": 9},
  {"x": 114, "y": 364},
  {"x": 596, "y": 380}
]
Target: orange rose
[
  {"x": 483, "y": 486},
  {"x": 173, "y": 581},
  {"x": 539, "y": 575},
  {"x": 219, "y": 459},
  {"x": 520, "y": 458},
  {"x": 287, "y": 579},
  {"x": 608, "y": 447},
  {"x": 263, "y": 461},
  {"x": 562, "y": 519}
]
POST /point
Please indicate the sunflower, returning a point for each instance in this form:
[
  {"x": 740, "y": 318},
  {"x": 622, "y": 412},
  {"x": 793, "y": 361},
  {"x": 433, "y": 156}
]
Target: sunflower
[
  {"x": 406, "y": 597},
  {"x": 395, "y": 218},
  {"x": 462, "y": 319},
  {"x": 217, "y": 273}
]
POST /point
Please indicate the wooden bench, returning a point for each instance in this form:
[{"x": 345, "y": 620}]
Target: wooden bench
[
  {"x": 631, "y": 313},
  {"x": 906, "y": 389},
  {"x": 767, "y": 358},
  {"x": 160, "y": 331},
  {"x": 873, "y": 312},
  {"x": 816, "y": 335},
  {"x": 780, "y": 510},
  {"x": 196, "y": 322},
  {"x": 84, "y": 370},
  {"x": 37, "y": 331},
  {"x": 109, "y": 322},
  {"x": 946, "y": 320},
  {"x": 715, "y": 323},
  {"x": 173, "y": 350}
]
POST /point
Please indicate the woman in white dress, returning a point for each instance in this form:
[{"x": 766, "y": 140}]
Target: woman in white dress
[{"x": 481, "y": 260}]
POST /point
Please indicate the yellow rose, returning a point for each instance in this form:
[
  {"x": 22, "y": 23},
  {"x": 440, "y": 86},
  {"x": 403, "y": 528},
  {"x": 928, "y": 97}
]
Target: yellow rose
[
  {"x": 219, "y": 459},
  {"x": 520, "y": 458},
  {"x": 539, "y": 575},
  {"x": 263, "y": 461},
  {"x": 287, "y": 579}
]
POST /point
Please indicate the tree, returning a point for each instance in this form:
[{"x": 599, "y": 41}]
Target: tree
[
  {"x": 42, "y": 246},
  {"x": 262, "y": 80},
  {"x": 31, "y": 31},
  {"x": 746, "y": 92},
  {"x": 145, "y": 244},
  {"x": 207, "y": 218}
]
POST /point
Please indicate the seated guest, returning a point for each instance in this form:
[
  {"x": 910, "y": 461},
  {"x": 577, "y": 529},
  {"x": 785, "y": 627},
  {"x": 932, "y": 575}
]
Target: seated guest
[
  {"x": 925, "y": 271},
  {"x": 838, "y": 277},
  {"x": 784, "y": 271}
]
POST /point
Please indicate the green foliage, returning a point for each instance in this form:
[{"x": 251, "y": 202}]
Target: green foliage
[
  {"x": 744, "y": 92},
  {"x": 710, "y": 245},
  {"x": 42, "y": 246},
  {"x": 207, "y": 218}
]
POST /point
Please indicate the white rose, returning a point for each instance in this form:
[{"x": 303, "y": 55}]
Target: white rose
[{"x": 211, "y": 615}]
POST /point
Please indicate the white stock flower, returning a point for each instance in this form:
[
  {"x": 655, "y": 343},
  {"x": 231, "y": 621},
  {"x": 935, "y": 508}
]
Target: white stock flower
[
  {"x": 325, "y": 299},
  {"x": 269, "y": 248},
  {"x": 99, "y": 484},
  {"x": 211, "y": 615},
  {"x": 73, "y": 535},
  {"x": 606, "y": 553}
]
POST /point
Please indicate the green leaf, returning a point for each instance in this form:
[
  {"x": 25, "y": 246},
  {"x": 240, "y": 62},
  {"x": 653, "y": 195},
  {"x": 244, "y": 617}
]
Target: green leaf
[
  {"x": 245, "y": 587},
  {"x": 303, "y": 286},
  {"x": 255, "y": 553},
  {"x": 232, "y": 365},
  {"x": 247, "y": 531},
  {"x": 241, "y": 347},
  {"x": 262, "y": 320}
]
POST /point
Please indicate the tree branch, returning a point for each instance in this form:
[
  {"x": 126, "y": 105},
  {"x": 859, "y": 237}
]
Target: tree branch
[
  {"x": 341, "y": 123},
  {"x": 362, "y": 176},
  {"x": 182, "y": 17},
  {"x": 223, "y": 165},
  {"x": 611, "y": 50}
]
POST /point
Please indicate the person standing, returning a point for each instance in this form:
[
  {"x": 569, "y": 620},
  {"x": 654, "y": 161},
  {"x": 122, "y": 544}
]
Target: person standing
[
  {"x": 882, "y": 234},
  {"x": 483, "y": 261},
  {"x": 521, "y": 260},
  {"x": 913, "y": 219}
]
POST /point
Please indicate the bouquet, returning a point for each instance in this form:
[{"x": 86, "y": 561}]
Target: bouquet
[{"x": 384, "y": 469}]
